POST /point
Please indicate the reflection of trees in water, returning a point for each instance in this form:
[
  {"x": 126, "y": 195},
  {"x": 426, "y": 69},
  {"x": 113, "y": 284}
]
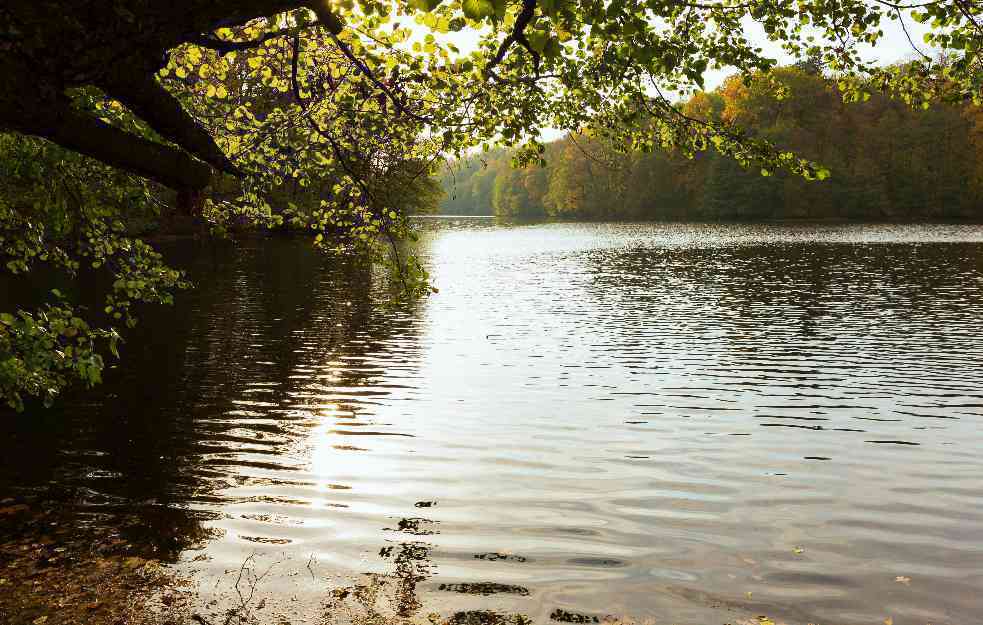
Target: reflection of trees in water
[
  {"x": 394, "y": 597},
  {"x": 158, "y": 434}
]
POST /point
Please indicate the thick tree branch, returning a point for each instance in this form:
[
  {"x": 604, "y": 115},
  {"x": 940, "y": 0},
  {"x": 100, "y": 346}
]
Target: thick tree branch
[
  {"x": 91, "y": 136},
  {"x": 518, "y": 35},
  {"x": 33, "y": 106},
  {"x": 209, "y": 15},
  {"x": 147, "y": 98},
  {"x": 327, "y": 17},
  {"x": 32, "y": 101}
]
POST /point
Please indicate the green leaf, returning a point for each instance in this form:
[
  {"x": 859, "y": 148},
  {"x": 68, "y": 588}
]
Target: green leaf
[
  {"x": 478, "y": 9},
  {"x": 551, "y": 7},
  {"x": 537, "y": 39},
  {"x": 424, "y": 5},
  {"x": 500, "y": 6}
]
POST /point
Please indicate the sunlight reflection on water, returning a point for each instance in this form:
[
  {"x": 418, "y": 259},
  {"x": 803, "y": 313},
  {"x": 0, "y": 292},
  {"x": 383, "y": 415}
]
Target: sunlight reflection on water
[{"x": 643, "y": 420}]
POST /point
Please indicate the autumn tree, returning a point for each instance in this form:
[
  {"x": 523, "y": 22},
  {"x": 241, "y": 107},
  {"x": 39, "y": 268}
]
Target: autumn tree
[{"x": 888, "y": 161}]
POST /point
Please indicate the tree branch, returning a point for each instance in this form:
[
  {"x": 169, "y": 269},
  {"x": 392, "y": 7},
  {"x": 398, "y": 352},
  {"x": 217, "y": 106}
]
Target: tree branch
[
  {"x": 327, "y": 17},
  {"x": 518, "y": 35},
  {"x": 225, "y": 47},
  {"x": 367, "y": 72},
  {"x": 91, "y": 136},
  {"x": 147, "y": 98}
]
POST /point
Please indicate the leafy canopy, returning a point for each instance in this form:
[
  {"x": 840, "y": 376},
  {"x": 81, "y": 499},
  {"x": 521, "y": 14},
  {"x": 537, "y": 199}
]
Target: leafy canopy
[{"x": 331, "y": 117}]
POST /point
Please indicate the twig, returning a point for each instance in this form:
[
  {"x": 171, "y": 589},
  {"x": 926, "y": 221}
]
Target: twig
[
  {"x": 225, "y": 47},
  {"x": 518, "y": 35},
  {"x": 309, "y": 562}
]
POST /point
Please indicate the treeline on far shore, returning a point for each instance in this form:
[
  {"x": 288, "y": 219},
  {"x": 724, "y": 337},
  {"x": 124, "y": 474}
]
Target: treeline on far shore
[{"x": 887, "y": 161}]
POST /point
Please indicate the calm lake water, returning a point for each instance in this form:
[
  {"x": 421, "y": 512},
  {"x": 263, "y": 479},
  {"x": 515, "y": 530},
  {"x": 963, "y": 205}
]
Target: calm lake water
[{"x": 694, "y": 424}]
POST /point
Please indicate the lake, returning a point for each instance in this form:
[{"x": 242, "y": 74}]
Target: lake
[{"x": 679, "y": 423}]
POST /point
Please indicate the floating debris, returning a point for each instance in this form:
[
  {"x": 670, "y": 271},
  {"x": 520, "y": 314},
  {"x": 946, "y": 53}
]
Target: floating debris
[
  {"x": 482, "y": 617},
  {"x": 563, "y": 616},
  {"x": 498, "y": 555},
  {"x": 485, "y": 588},
  {"x": 415, "y": 525}
]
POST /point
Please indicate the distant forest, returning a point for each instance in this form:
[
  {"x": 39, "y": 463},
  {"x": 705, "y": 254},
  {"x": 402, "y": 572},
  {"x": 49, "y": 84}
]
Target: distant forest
[{"x": 887, "y": 162}]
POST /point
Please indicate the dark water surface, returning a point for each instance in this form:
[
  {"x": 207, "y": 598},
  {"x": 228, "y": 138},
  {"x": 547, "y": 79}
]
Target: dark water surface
[{"x": 691, "y": 424}]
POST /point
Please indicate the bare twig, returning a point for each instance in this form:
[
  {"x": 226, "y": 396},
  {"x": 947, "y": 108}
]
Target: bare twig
[
  {"x": 368, "y": 73},
  {"x": 221, "y": 46},
  {"x": 518, "y": 35},
  {"x": 311, "y": 560}
]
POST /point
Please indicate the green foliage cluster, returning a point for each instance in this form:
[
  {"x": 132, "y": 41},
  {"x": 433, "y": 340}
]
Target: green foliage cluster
[
  {"x": 64, "y": 214},
  {"x": 61, "y": 210},
  {"x": 887, "y": 162}
]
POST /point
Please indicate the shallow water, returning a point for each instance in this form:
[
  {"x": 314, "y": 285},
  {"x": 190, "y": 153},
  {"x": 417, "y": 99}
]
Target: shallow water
[{"x": 686, "y": 423}]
